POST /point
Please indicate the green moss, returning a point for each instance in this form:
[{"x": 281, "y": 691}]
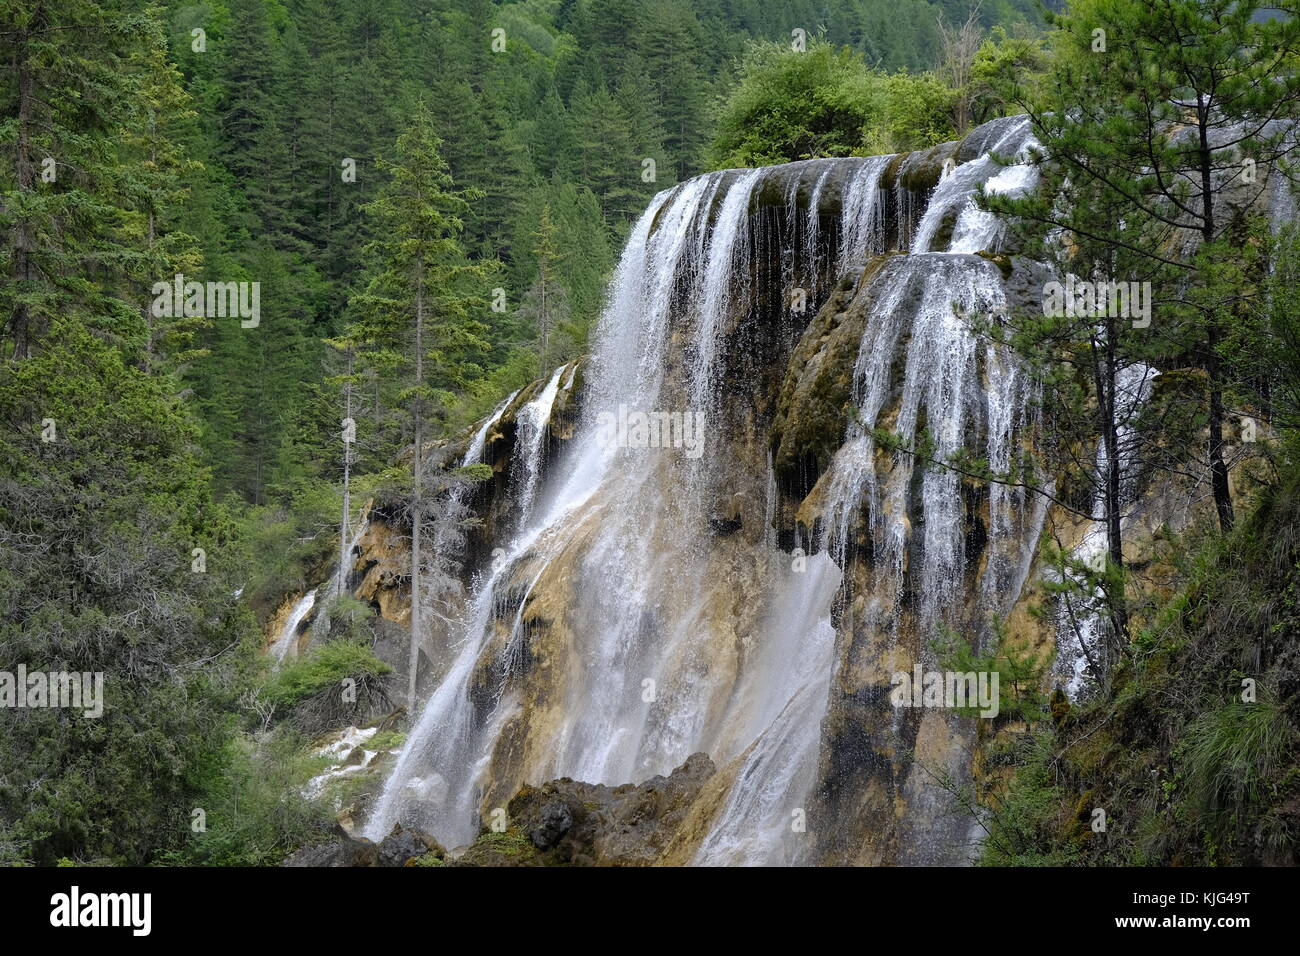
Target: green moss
[
  {"x": 386, "y": 740},
  {"x": 511, "y": 842},
  {"x": 814, "y": 403},
  {"x": 1004, "y": 263},
  {"x": 510, "y": 847}
]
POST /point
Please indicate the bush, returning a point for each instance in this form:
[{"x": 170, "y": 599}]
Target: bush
[
  {"x": 253, "y": 807},
  {"x": 826, "y": 102},
  {"x": 335, "y": 684},
  {"x": 1020, "y": 672}
]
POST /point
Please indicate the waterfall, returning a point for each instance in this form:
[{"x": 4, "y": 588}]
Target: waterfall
[
  {"x": 474, "y": 453},
  {"x": 657, "y": 641},
  {"x": 812, "y": 227},
  {"x": 862, "y": 216},
  {"x": 1084, "y": 627},
  {"x": 931, "y": 301},
  {"x": 975, "y": 229},
  {"x": 337, "y": 586},
  {"x": 338, "y": 583},
  {"x": 725, "y": 265},
  {"x": 530, "y": 447},
  {"x": 435, "y": 776},
  {"x": 789, "y": 689},
  {"x": 288, "y": 636}
]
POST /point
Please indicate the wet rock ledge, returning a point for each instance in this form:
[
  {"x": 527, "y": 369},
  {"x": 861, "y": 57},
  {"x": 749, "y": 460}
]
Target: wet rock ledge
[{"x": 561, "y": 823}]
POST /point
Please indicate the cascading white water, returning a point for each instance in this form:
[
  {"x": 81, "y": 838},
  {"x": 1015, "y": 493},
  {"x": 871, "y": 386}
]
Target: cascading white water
[
  {"x": 649, "y": 674},
  {"x": 435, "y": 775},
  {"x": 338, "y": 584},
  {"x": 724, "y": 264},
  {"x": 927, "y": 305},
  {"x": 788, "y": 686},
  {"x": 341, "y": 573},
  {"x": 532, "y": 420},
  {"x": 609, "y": 734},
  {"x": 812, "y": 228},
  {"x": 473, "y": 456},
  {"x": 862, "y": 215},
  {"x": 474, "y": 453},
  {"x": 976, "y": 230},
  {"x": 1015, "y": 517},
  {"x": 288, "y": 637}
]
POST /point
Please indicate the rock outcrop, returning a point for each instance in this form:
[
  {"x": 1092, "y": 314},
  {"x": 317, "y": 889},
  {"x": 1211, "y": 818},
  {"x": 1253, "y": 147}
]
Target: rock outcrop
[
  {"x": 569, "y": 823},
  {"x": 400, "y": 848}
]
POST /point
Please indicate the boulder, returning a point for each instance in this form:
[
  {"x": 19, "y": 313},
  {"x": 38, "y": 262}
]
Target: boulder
[{"x": 403, "y": 846}]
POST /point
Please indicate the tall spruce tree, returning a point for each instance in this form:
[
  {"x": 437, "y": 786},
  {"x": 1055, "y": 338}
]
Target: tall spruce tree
[
  {"x": 155, "y": 183},
  {"x": 420, "y": 301},
  {"x": 66, "y": 91}
]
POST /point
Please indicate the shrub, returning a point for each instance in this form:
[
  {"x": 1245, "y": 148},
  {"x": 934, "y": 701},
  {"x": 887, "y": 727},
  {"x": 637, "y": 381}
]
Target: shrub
[{"x": 335, "y": 684}]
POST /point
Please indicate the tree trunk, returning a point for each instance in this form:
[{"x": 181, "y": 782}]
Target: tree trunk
[
  {"x": 344, "y": 535},
  {"x": 417, "y": 496},
  {"x": 1213, "y": 369},
  {"x": 1104, "y": 371},
  {"x": 1117, "y": 602}
]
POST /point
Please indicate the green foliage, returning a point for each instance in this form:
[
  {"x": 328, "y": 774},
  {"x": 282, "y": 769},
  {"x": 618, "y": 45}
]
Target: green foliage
[
  {"x": 1021, "y": 672},
  {"x": 1145, "y": 134},
  {"x": 282, "y": 548},
  {"x": 418, "y": 309},
  {"x": 386, "y": 740},
  {"x": 1232, "y": 754},
  {"x": 1025, "y": 825},
  {"x": 323, "y": 671},
  {"x": 1188, "y": 768},
  {"x": 68, "y": 191},
  {"x": 1004, "y": 62},
  {"x": 350, "y": 619},
  {"x": 254, "y": 810},
  {"x": 1267, "y": 342},
  {"x": 790, "y": 105},
  {"x": 97, "y": 533},
  {"x": 914, "y": 113}
]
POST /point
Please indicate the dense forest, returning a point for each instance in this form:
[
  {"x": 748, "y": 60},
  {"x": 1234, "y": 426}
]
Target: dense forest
[{"x": 410, "y": 210}]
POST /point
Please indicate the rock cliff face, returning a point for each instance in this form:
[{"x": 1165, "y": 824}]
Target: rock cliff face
[{"x": 693, "y": 543}]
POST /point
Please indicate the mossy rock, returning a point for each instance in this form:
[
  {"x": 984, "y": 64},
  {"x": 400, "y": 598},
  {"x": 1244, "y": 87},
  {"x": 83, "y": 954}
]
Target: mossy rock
[
  {"x": 815, "y": 399},
  {"x": 1004, "y": 263},
  {"x": 510, "y": 847}
]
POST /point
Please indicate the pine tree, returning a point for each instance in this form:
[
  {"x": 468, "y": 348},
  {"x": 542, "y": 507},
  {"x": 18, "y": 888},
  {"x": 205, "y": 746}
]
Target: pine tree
[
  {"x": 669, "y": 42},
  {"x": 608, "y": 161},
  {"x": 546, "y": 305},
  {"x": 420, "y": 299},
  {"x": 66, "y": 91},
  {"x": 253, "y": 142},
  {"x": 1152, "y": 116},
  {"x": 157, "y": 169}
]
